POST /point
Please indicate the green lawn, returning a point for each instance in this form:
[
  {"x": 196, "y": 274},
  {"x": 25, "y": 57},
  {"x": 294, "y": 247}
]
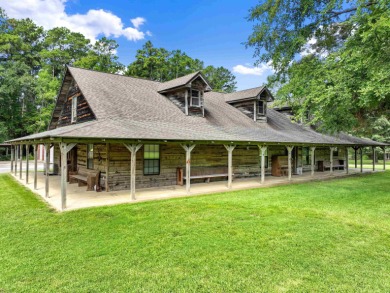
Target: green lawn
[
  {"x": 318, "y": 236},
  {"x": 367, "y": 164}
]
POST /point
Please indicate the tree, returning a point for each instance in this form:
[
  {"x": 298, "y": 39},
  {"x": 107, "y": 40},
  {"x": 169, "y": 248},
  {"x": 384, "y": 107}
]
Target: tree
[
  {"x": 162, "y": 65},
  {"x": 342, "y": 83},
  {"x": 101, "y": 57}
]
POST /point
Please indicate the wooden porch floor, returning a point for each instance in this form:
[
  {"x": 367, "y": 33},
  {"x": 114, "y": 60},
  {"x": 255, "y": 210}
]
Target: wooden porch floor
[{"x": 78, "y": 197}]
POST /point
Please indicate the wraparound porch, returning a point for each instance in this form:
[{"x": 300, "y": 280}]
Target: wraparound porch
[{"x": 78, "y": 197}]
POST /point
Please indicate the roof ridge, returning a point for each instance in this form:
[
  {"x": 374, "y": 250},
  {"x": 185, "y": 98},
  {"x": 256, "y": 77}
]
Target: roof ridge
[
  {"x": 252, "y": 88},
  {"x": 115, "y": 74}
]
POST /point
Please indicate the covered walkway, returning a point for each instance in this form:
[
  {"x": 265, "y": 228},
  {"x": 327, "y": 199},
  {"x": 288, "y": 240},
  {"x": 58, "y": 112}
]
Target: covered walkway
[{"x": 78, "y": 197}]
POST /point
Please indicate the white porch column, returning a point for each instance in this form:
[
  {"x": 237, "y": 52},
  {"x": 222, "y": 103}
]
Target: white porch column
[
  {"x": 133, "y": 148},
  {"x": 186, "y": 102},
  {"x": 16, "y": 159},
  {"x": 289, "y": 149},
  {"x": 188, "y": 149},
  {"x": 64, "y": 148},
  {"x": 27, "y": 162},
  {"x": 331, "y": 160},
  {"x": 47, "y": 168},
  {"x": 262, "y": 149},
  {"x": 361, "y": 159},
  {"x": 373, "y": 158},
  {"x": 355, "y": 149},
  {"x": 20, "y": 161},
  {"x": 230, "y": 149},
  {"x": 312, "y": 154},
  {"x": 346, "y": 161},
  {"x": 384, "y": 158},
  {"x": 35, "y": 166},
  {"x": 12, "y": 157}
]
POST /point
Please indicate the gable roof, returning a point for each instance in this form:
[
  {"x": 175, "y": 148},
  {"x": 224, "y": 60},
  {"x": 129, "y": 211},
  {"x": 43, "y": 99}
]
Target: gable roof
[
  {"x": 247, "y": 94},
  {"x": 181, "y": 81},
  {"x": 132, "y": 108}
]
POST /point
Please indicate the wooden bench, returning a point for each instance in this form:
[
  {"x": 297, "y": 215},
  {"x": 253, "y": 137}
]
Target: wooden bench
[
  {"x": 202, "y": 173},
  {"x": 337, "y": 164},
  {"x": 84, "y": 176}
]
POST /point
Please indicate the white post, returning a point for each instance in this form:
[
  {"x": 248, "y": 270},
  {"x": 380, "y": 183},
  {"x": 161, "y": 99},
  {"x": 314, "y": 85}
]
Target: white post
[
  {"x": 373, "y": 158},
  {"x": 312, "y": 153},
  {"x": 35, "y": 166},
  {"x": 47, "y": 167},
  {"x": 346, "y": 161},
  {"x": 361, "y": 159},
  {"x": 188, "y": 149},
  {"x": 331, "y": 160},
  {"x": 27, "y": 161},
  {"x": 384, "y": 158},
  {"x": 20, "y": 161},
  {"x": 230, "y": 149},
  {"x": 186, "y": 102},
  {"x": 133, "y": 148},
  {"x": 289, "y": 149},
  {"x": 12, "y": 157},
  {"x": 64, "y": 149},
  {"x": 262, "y": 149},
  {"x": 16, "y": 159}
]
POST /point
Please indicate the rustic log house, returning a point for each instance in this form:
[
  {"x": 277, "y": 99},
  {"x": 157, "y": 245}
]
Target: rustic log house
[{"x": 132, "y": 132}]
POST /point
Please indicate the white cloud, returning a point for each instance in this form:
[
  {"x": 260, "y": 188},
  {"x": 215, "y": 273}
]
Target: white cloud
[
  {"x": 247, "y": 70},
  {"x": 138, "y": 21},
  {"x": 51, "y": 13}
]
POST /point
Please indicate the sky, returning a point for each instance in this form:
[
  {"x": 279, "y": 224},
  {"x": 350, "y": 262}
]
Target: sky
[{"x": 213, "y": 31}]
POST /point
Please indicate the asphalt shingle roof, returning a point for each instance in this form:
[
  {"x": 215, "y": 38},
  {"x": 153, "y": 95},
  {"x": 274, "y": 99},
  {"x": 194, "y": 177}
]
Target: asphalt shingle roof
[{"x": 132, "y": 108}]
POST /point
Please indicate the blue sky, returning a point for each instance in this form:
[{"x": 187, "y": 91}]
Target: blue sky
[{"x": 212, "y": 31}]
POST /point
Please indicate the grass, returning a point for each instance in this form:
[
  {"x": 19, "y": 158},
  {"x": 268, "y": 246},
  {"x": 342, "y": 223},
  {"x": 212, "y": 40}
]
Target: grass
[
  {"x": 318, "y": 236},
  {"x": 367, "y": 164}
]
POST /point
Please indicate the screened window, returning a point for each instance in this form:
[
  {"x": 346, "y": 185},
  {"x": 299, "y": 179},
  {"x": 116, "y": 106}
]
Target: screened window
[
  {"x": 336, "y": 152},
  {"x": 74, "y": 109},
  {"x": 151, "y": 159},
  {"x": 90, "y": 156},
  {"x": 261, "y": 107},
  {"x": 195, "y": 98}
]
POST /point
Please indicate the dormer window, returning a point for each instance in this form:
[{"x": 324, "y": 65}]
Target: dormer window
[
  {"x": 195, "y": 98},
  {"x": 261, "y": 107},
  {"x": 74, "y": 110}
]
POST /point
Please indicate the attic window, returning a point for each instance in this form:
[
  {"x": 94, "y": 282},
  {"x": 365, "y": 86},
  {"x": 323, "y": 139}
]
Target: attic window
[
  {"x": 195, "y": 98},
  {"x": 74, "y": 109},
  {"x": 261, "y": 107}
]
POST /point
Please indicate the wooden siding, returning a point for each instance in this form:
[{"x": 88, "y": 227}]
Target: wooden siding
[
  {"x": 246, "y": 162},
  {"x": 84, "y": 112}
]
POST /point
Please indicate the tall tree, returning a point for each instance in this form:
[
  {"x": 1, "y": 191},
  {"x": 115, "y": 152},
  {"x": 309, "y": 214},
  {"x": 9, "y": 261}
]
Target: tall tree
[
  {"x": 162, "y": 65},
  {"x": 101, "y": 57},
  {"x": 331, "y": 60}
]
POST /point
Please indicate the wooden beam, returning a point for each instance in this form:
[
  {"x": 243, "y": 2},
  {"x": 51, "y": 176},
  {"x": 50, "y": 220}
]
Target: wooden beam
[
  {"x": 373, "y": 158},
  {"x": 133, "y": 148},
  {"x": 107, "y": 165},
  {"x": 289, "y": 149},
  {"x": 262, "y": 149},
  {"x": 346, "y": 161},
  {"x": 312, "y": 153},
  {"x": 188, "y": 149},
  {"x": 361, "y": 160},
  {"x": 355, "y": 148},
  {"x": 16, "y": 159},
  {"x": 12, "y": 157},
  {"x": 384, "y": 158},
  {"x": 35, "y": 166},
  {"x": 230, "y": 149},
  {"x": 331, "y": 159},
  {"x": 20, "y": 161},
  {"x": 27, "y": 162},
  {"x": 64, "y": 149},
  {"x": 47, "y": 168}
]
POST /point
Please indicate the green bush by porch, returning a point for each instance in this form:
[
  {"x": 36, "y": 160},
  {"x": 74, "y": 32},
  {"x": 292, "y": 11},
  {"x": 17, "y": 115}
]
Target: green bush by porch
[{"x": 317, "y": 236}]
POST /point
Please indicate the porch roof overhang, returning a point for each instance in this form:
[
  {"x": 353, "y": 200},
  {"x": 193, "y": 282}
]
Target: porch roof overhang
[{"x": 118, "y": 131}]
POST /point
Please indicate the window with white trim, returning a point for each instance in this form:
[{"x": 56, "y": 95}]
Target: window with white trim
[
  {"x": 74, "y": 110},
  {"x": 261, "y": 107},
  {"x": 195, "y": 98}
]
